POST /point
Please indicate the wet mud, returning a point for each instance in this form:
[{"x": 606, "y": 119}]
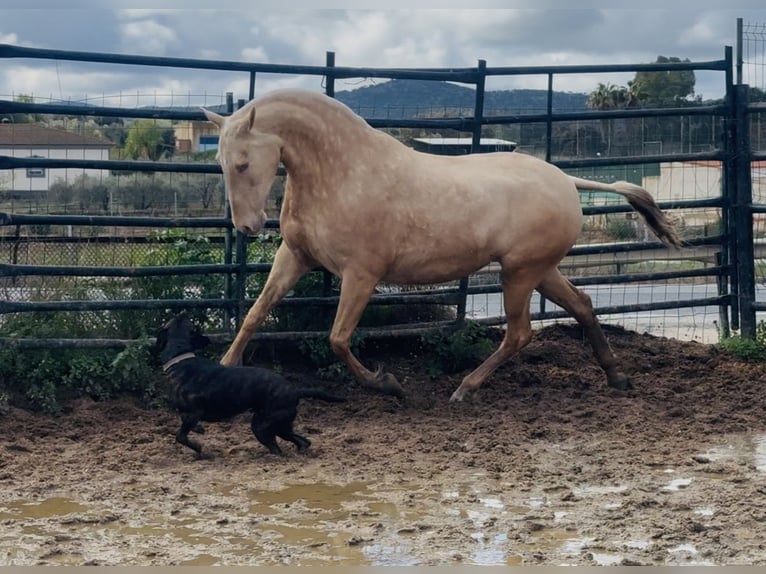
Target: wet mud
[{"x": 544, "y": 465}]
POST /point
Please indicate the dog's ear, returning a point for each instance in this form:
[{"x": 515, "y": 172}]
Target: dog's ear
[
  {"x": 162, "y": 339},
  {"x": 199, "y": 341}
]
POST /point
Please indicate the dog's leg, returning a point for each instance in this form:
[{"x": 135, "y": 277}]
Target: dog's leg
[
  {"x": 284, "y": 427},
  {"x": 264, "y": 432},
  {"x": 300, "y": 442},
  {"x": 188, "y": 423},
  {"x": 198, "y": 429}
]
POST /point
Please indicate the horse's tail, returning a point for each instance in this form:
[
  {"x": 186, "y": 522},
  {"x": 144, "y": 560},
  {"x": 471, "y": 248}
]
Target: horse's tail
[{"x": 643, "y": 202}]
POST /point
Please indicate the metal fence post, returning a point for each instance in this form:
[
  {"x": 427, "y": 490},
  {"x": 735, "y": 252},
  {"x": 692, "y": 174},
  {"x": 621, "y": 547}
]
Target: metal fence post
[
  {"x": 330, "y": 91},
  {"x": 729, "y": 192},
  {"x": 478, "y": 115},
  {"x": 228, "y": 247},
  {"x": 740, "y": 57},
  {"x": 744, "y": 210}
]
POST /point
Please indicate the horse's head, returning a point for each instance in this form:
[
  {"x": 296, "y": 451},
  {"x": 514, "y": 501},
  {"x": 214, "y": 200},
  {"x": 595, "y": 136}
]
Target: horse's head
[{"x": 249, "y": 160}]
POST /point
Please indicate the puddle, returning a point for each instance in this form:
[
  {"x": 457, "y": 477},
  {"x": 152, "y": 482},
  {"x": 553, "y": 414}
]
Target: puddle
[
  {"x": 48, "y": 508},
  {"x": 739, "y": 448},
  {"x": 597, "y": 490},
  {"x": 688, "y": 548},
  {"x": 759, "y": 443},
  {"x": 355, "y": 524},
  {"x": 677, "y": 484},
  {"x": 607, "y": 559}
]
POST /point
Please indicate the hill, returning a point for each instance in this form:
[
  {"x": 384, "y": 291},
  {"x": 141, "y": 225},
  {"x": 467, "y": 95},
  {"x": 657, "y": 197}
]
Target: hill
[{"x": 399, "y": 99}]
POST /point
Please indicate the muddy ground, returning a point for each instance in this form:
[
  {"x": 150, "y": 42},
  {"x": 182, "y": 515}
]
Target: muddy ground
[{"x": 545, "y": 465}]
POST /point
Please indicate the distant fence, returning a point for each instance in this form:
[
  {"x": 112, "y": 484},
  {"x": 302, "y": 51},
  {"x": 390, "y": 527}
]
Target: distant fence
[{"x": 136, "y": 272}]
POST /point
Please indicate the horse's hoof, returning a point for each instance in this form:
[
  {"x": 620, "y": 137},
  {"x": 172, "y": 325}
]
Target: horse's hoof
[
  {"x": 620, "y": 382},
  {"x": 458, "y": 395}
]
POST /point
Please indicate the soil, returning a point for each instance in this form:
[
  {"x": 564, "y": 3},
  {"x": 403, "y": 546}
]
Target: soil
[{"x": 543, "y": 465}]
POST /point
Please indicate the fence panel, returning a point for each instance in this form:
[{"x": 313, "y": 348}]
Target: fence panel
[
  {"x": 115, "y": 244},
  {"x": 751, "y": 68}
]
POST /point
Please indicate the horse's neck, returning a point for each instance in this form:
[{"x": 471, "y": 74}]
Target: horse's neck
[{"x": 311, "y": 148}]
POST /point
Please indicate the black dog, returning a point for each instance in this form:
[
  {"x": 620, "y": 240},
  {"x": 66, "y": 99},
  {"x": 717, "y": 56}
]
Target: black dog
[{"x": 206, "y": 391}]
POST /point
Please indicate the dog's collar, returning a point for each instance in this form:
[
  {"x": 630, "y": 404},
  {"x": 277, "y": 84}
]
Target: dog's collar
[{"x": 176, "y": 360}]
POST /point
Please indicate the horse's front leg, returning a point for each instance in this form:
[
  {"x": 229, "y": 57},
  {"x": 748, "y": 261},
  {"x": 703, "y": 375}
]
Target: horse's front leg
[
  {"x": 285, "y": 272},
  {"x": 355, "y": 291}
]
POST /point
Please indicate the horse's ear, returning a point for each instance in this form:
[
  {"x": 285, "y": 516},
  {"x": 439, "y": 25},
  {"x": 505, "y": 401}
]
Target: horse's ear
[
  {"x": 214, "y": 117},
  {"x": 252, "y": 119}
]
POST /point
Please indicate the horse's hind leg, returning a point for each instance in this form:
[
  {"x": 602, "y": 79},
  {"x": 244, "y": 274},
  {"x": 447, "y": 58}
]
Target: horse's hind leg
[
  {"x": 559, "y": 290},
  {"x": 285, "y": 272},
  {"x": 517, "y": 292},
  {"x": 356, "y": 288}
]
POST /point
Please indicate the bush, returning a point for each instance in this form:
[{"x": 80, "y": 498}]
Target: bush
[
  {"x": 457, "y": 349},
  {"x": 43, "y": 380},
  {"x": 621, "y": 228},
  {"x": 750, "y": 350}
]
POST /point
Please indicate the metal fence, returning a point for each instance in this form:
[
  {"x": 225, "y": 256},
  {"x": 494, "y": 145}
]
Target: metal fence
[
  {"x": 110, "y": 267},
  {"x": 751, "y": 71}
]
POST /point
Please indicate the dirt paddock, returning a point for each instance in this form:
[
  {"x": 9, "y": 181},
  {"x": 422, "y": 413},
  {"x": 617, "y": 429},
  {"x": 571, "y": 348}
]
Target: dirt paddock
[{"x": 545, "y": 465}]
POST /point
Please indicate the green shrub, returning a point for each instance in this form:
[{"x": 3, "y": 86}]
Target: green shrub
[
  {"x": 320, "y": 354},
  {"x": 750, "y": 350},
  {"x": 621, "y": 228},
  {"x": 43, "y": 380},
  {"x": 454, "y": 350}
]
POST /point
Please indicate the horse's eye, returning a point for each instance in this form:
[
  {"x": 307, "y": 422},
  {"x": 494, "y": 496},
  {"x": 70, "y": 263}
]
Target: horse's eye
[{"x": 242, "y": 167}]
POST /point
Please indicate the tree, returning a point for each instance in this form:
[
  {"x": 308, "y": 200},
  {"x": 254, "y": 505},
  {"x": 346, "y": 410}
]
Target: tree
[
  {"x": 666, "y": 88},
  {"x": 611, "y": 97},
  {"x": 148, "y": 140}
]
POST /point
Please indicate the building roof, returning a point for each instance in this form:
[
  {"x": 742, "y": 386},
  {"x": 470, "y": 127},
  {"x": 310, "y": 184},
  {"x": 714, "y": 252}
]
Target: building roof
[
  {"x": 35, "y": 135},
  {"x": 465, "y": 141}
]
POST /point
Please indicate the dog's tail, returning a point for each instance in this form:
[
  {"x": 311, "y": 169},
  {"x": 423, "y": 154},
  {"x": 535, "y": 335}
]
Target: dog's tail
[{"x": 309, "y": 393}]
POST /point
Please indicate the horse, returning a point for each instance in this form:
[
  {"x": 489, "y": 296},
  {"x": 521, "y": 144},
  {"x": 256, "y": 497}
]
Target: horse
[{"x": 368, "y": 208}]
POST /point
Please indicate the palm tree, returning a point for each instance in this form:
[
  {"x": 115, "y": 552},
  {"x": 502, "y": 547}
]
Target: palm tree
[
  {"x": 610, "y": 97},
  {"x": 606, "y": 97}
]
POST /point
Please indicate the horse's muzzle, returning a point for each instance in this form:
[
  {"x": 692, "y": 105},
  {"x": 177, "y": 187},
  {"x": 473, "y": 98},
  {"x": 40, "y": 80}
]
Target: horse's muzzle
[{"x": 253, "y": 225}]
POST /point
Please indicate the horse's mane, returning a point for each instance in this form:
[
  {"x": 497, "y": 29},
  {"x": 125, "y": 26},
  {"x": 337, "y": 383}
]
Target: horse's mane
[{"x": 306, "y": 99}]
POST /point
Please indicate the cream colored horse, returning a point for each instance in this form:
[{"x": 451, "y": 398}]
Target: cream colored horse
[{"x": 368, "y": 208}]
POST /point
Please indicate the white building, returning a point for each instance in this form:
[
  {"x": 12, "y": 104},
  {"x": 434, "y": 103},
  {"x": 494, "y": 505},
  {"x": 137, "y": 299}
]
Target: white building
[
  {"x": 700, "y": 180},
  {"x": 34, "y": 140}
]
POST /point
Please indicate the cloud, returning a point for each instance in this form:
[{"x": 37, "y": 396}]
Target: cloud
[
  {"x": 8, "y": 38},
  {"x": 409, "y": 38},
  {"x": 147, "y": 37},
  {"x": 255, "y": 54}
]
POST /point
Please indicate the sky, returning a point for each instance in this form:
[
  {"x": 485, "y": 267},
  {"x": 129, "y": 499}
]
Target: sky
[{"x": 286, "y": 33}]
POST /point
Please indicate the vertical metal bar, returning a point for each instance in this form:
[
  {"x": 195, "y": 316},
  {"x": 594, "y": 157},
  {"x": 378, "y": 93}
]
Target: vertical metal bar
[
  {"x": 478, "y": 115},
  {"x": 240, "y": 247},
  {"x": 723, "y": 310},
  {"x": 744, "y": 205},
  {"x": 229, "y": 311},
  {"x": 330, "y": 91},
  {"x": 549, "y": 121},
  {"x": 740, "y": 56},
  {"x": 330, "y": 78},
  {"x": 728, "y": 192},
  {"x": 548, "y": 148}
]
